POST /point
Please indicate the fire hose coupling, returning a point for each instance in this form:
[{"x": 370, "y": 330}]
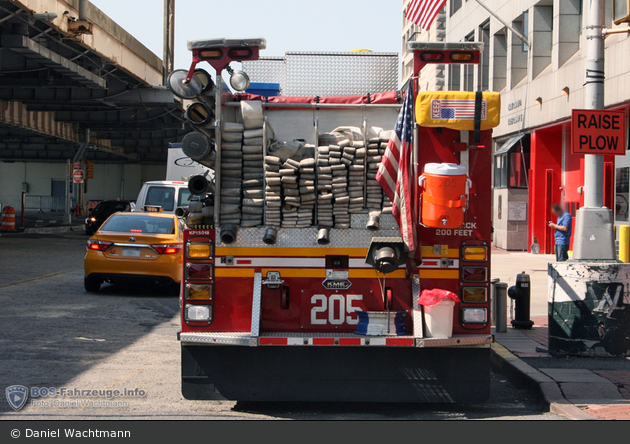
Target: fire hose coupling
[
  {"x": 386, "y": 254},
  {"x": 271, "y": 235},
  {"x": 374, "y": 220},
  {"x": 228, "y": 233},
  {"x": 323, "y": 236}
]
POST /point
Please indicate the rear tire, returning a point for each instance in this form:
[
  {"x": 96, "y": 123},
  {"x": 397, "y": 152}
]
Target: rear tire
[{"x": 92, "y": 285}]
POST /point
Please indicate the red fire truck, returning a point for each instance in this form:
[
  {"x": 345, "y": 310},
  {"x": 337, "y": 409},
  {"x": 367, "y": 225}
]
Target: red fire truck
[{"x": 291, "y": 313}]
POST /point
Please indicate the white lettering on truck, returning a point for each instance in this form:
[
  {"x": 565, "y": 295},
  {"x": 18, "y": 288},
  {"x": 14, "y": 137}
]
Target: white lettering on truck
[{"x": 465, "y": 231}]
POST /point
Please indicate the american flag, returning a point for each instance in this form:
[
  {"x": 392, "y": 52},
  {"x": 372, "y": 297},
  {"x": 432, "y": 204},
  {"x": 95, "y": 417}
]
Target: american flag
[
  {"x": 394, "y": 172},
  {"x": 456, "y": 109},
  {"x": 423, "y": 12}
]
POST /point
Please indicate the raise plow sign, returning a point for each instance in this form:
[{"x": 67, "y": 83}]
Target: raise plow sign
[{"x": 598, "y": 132}]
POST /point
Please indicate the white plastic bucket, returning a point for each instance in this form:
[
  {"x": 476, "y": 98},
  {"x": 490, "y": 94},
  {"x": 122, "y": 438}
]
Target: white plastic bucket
[{"x": 439, "y": 319}]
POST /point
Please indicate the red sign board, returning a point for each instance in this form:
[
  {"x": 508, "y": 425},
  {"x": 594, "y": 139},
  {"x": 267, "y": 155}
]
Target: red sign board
[
  {"x": 598, "y": 132},
  {"x": 77, "y": 176}
]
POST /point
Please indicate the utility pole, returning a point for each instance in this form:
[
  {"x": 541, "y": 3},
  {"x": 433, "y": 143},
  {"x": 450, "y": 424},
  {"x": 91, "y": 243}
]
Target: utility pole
[
  {"x": 594, "y": 228},
  {"x": 169, "y": 39}
]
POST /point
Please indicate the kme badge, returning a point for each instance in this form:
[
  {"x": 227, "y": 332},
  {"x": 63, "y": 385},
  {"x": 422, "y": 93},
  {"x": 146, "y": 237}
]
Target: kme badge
[{"x": 17, "y": 395}]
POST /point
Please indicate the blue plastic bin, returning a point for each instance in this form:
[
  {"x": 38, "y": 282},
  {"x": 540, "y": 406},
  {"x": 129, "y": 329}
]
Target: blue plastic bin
[{"x": 264, "y": 89}]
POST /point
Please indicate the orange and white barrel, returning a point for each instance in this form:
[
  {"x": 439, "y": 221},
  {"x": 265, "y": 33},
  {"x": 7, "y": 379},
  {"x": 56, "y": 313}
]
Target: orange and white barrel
[
  {"x": 7, "y": 219},
  {"x": 444, "y": 195}
]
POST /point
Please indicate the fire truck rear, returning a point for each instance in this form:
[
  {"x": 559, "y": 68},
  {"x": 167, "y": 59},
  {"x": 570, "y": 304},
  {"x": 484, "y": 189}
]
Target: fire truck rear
[{"x": 298, "y": 283}]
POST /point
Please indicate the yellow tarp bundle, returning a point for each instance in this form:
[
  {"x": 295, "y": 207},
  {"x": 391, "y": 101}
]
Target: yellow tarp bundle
[{"x": 456, "y": 110}]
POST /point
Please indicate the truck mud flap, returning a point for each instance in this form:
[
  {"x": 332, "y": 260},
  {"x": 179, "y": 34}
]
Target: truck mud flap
[{"x": 437, "y": 375}]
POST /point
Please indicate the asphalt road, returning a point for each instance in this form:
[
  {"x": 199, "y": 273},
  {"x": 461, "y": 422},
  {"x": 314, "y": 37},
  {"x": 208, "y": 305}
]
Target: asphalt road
[{"x": 54, "y": 334}]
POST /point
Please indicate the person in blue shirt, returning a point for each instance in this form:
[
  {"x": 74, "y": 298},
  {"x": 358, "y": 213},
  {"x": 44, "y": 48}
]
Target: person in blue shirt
[{"x": 562, "y": 234}]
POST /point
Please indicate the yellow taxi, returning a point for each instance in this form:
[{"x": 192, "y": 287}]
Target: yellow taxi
[{"x": 135, "y": 246}]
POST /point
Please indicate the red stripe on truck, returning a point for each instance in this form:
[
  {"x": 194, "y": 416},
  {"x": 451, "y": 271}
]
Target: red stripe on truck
[{"x": 273, "y": 341}]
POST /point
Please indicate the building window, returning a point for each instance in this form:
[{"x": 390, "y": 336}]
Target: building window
[
  {"x": 454, "y": 77},
  {"x": 469, "y": 70},
  {"x": 455, "y": 6},
  {"x": 499, "y": 61},
  {"x": 484, "y": 67},
  {"x": 525, "y": 29},
  {"x": 511, "y": 163},
  {"x": 519, "y": 56},
  {"x": 621, "y": 194}
]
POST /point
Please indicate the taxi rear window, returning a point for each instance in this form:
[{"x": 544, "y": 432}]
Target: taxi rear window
[{"x": 120, "y": 223}]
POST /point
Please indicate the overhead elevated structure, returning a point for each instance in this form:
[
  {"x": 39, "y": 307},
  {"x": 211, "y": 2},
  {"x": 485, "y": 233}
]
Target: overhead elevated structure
[{"x": 66, "y": 67}]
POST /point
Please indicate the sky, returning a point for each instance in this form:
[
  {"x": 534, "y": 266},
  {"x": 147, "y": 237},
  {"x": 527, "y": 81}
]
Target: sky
[{"x": 288, "y": 25}]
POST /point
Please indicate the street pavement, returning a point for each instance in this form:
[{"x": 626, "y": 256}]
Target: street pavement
[{"x": 54, "y": 334}]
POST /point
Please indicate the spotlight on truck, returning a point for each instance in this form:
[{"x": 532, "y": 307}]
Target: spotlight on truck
[
  {"x": 238, "y": 79},
  {"x": 386, "y": 254}
]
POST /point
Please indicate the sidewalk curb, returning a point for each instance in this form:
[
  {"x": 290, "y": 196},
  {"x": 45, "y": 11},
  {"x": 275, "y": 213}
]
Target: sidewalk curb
[
  {"x": 53, "y": 230},
  {"x": 545, "y": 388}
]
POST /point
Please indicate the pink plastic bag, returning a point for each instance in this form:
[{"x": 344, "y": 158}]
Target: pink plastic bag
[{"x": 429, "y": 298}]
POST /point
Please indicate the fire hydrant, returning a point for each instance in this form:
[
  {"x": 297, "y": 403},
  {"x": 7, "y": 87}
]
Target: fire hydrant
[{"x": 521, "y": 294}]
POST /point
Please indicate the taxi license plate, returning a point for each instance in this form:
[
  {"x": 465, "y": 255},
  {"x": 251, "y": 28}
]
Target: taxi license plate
[{"x": 131, "y": 252}]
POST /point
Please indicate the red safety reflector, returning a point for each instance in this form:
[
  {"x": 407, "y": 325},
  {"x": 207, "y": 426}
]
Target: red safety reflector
[
  {"x": 273, "y": 341},
  {"x": 429, "y": 263},
  {"x": 399, "y": 341},
  {"x": 323, "y": 341},
  {"x": 244, "y": 261},
  {"x": 349, "y": 341}
]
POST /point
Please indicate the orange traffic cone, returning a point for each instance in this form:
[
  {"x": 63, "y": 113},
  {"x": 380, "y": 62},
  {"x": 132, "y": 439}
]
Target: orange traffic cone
[{"x": 8, "y": 219}]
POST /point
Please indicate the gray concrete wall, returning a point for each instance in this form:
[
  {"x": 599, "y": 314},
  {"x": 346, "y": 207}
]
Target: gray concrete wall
[{"x": 111, "y": 181}]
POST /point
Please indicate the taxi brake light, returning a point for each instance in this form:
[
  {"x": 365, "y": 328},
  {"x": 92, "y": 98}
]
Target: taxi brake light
[
  {"x": 97, "y": 245},
  {"x": 137, "y": 231},
  {"x": 167, "y": 249}
]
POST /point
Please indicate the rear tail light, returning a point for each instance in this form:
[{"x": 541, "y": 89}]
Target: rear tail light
[
  {"x": 198, "y": 271},
  {"x": 474, "y": 315},
  {"x": 474, "y": 274},
  {"x": 432, "y": 56},
  {"x": 98, "y": 245},
  {"x": 198, "y": 250},
  {"x": 198, "y": 313},
  {"x": 461, "y": 56},
  {"x": 241, "y": 53},
  {"x": 474, "y": 294},
  {"x": 199, "y": 292},
  {"x": 167, "y": 249},
  {"x": 475, "y": 254},
  {"x": 211, "y": 54}
]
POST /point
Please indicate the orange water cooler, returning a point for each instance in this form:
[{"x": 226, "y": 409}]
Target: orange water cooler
[{"x": 444, "y": 195}]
